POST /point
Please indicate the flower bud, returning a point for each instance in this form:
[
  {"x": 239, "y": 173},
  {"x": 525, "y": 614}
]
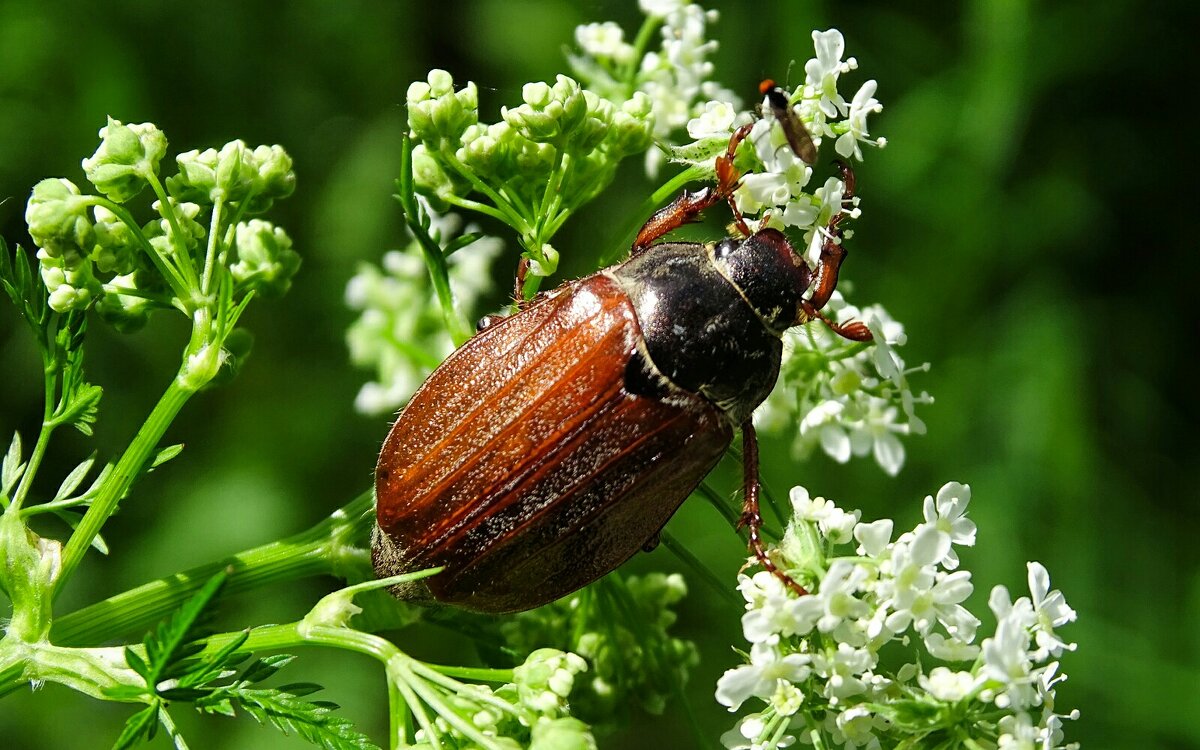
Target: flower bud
[
  {"x": 128, "y": 155},
  {"x": 57, "y": 217},
  {"x": 116, "y": 247},
  {"x": 566, "y": 733},
  {"x": 546, "y": 264},
  {"x": 266, "y": 261}
]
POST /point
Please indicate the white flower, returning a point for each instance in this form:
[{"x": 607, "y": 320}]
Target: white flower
[
  {"x": 863, "y": 104},
  {"x": 761, "y": 676},
  {"x": 604, "y": 40},
  {"x": 716, "y": 120},
  {"x": 947, "y": 685},
  {"x": 949, "y": 649},
  {"x": 821, "y": 72},
  {"x": 1051, "y": 610},
  {"x": 947, "y": 516},
  {"x": 838, "y": 587},
  {"x": 843, "y": 668},
  {"x": 1006, "y": 661},
  {"x": 400, "y": 335},
  {"x": 661, "y": 8}
]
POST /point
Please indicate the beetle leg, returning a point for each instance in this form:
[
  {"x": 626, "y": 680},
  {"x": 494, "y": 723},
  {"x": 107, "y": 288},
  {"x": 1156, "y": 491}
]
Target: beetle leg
[
  {"x": 751, "y": 518},
  {"x": 855, "y": 330},
  {"x": 688, "y": 206},
  {"x": 833, "y": 252},
  {"x": 519, "y": 283}
]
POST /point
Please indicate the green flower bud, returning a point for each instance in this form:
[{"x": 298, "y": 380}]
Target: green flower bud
[
  {"x": 595, "y": 126},
  {"x": 69, "y": 280},
  {"x": 275, "y": 177},
  {"x": 632, "y": 129},
  {"x": 430, "y": 179},
  {"x": 128, "y": 155},
  {"x": 546, "y": 678},
  {"x": 549, "y": 113},
  {"x": 197, "y": 177},
  {"x": 546, "y": 264},
  {"x": 237, "y": 176},
  {"x": 266, "y": 261},
  {"x": 57, "y": 217},
  {"x": 436, "y": 112},
  {"x": 567, "y": 733},
  {"x": 186, "y": 213},
  {"x": 126, "y": 312},
  {"x": 116, "y": 249}
]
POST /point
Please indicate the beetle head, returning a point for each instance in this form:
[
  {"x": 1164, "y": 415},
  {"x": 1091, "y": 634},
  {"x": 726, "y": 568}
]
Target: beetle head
[{"x": 769, "y": 273}]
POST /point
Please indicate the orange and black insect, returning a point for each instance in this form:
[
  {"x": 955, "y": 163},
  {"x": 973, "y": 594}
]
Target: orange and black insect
[
  {"x": 557, "y": 442},
  {"x": 797, "y": 135}
]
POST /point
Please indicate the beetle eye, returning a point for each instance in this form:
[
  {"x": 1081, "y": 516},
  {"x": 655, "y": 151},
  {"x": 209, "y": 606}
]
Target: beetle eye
[{"x": 725, "y": 248}]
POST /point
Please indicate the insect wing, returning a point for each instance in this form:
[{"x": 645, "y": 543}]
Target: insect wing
[{"x": 526, "y": 468}]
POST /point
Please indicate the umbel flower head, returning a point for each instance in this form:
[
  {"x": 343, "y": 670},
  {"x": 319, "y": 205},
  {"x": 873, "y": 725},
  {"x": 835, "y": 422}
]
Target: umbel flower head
[{"x": 815, "y": 661}]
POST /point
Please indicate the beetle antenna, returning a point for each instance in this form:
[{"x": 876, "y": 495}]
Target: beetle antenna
[{"x": 751, "y": 517}]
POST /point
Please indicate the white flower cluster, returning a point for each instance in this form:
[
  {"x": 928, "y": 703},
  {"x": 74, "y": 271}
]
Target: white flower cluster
[
  {"x": 400, "y": 334},
  {"x": 676, "y": 76},
  {"x": 815, "y": 660},
  {"x": 852, "y": 399},
  {"x": 776, "y": 191}
]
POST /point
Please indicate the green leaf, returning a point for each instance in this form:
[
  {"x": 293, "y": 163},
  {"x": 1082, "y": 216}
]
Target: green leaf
[
  {"x": 72, "y": 520},
  {"x": 172, "y": 640},
  {"x": 261, "y": 669},
  {"x": 458, "y": 243},
  {"x": 12, "y": 468},
  {"x": 137, "y": 663},
  {"x": 166, "y": 454},
  {"x": 211, "y": 667},
  {"x": 289, "y": 713},
  {"x": 24, "y": 288},
  {"x": 141, "y": 725},
  {"x": 75, "y": 478}
]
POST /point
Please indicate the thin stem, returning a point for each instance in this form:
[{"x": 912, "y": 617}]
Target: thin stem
[
  {"x": 169, "y": 272},
  {"x": 183, "y": 260},
  {"x": 210, "y": 253},
  {"x": 121, "y": 479},
  {"x": 639, "y": 51},
  {"x": 675, "y": 547},
  {"x": 648, "y": 206},
  {"x": 482, "y": 208},
  {"x": 475, "y": 674},
  {"x": 168, "y": 723},
  {"x": 39, "y": 448},
  {"x": 522, "y": 226},
  {"x": 325, "y": 549}
]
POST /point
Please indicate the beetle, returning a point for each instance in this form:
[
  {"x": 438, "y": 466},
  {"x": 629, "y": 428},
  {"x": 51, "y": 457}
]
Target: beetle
[{"x": 557, "y": 442}]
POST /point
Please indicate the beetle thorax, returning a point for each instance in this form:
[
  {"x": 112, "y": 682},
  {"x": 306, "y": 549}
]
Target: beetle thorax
[{"x": 702, "y": 332}]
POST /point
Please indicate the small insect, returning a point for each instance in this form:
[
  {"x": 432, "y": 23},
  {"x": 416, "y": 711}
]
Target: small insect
[
  {"x": 556, "y": 443},
  {"x": 797, "y": 135}
]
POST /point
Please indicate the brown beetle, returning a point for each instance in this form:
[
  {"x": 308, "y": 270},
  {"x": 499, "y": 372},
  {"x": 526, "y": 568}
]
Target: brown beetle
[{"x": 557, "y": 442}]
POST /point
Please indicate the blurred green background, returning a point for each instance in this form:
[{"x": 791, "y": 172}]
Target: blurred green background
[{"x": 1021, "y": 223}]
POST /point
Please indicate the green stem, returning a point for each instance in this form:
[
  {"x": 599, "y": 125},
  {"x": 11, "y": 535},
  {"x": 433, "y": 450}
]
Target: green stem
[
  {"x": 639, "y": 51},
  {"x": 519, "y": 222},
  {"x": 183, "y": 260},
  {"x": 474, "y": 674},
  {"x": 39, "y": 448},
  {"x": 168, "y": 270},
  {"x": 656, "y": 199},
  {"x": 210, "y": 253},
  {"x": 121, "y": 479},
  {"x": 325, "y": 549},
  {"x": 168, "y": 723},
  {"x": 676, "y": 548},
  {"x": 435, "y": 257}
]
